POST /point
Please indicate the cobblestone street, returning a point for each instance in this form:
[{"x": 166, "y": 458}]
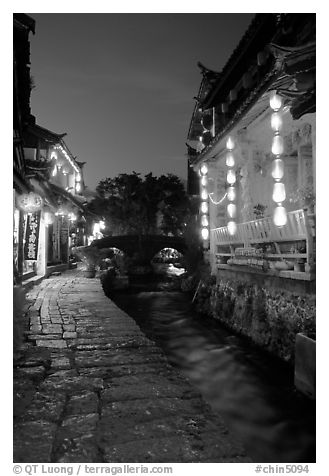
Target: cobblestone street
[{"x": 90, "y": 387}]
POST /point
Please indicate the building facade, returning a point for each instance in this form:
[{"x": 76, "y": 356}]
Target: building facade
[
  {"x": 48, "y": 210},
  {"x": 252, "y": 142}
]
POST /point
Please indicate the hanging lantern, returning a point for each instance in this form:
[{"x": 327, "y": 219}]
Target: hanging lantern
[
  {"x": 205, "y": 233},
  {"x": 231, "y": 178},
  {"x": 231, "y": 210},
  {"x": 204, "y": 194},
  {"x": 29, "y": 202},
  {"x": 231, "y": 194},
  {"x": 78, "y": 177},
  {"x": 53, "y": 155},
  {"x": 204, "y": 169},
  {"x": 204, "y": 207},
  {"x": 203, "y": 181},
  {"x": 279, "y": 192},
  {"x": 280, "y": 216},
  {"x": 277, "y": 145},
  {"x": 204, "y": 220},
  {"x": 231, "y": 227},
  {"x": 54, "y": 172},
  {"x": 276, "y": 121},
  {"x": 230, "y": 143},
  {"x": 230, "y": 162},
  {"x": 277, "y": 169},
  {"x": 78, "y": 187},
  {"x": 275, "y": 101}
]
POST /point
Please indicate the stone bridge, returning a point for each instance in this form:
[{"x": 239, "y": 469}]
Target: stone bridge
[{"x": 146, "y": 246}]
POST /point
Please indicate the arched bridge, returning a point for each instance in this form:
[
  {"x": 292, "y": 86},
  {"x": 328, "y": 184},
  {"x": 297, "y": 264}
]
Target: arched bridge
[{"x": 146, "y": 245}]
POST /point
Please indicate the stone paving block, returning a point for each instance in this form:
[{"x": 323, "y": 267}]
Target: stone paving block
[
  {"x": 56, "y": 320},
  {"x": 83, "y": 404},
  {"x": 52, "y": 329},
  {"x": 72, "y": 384},
  {"x": 112, "y": 358},
  {"x": 34, "y": 320},
  {"x": 59, "y": 343},
  {"x": 70, "y": 335},
  {"x": 36, "y": 328},
  {"x": 46, "y": 407},
  {"x": 141, "y": 391},
  {"x": 69, "y": 327},
  {"x": 149, "y": 409},
  {"x": 60, "y": 363},
  {"x": 77, "y": 449},
  {"x": 44, "y": 336},
  {"x": 153, "y": 450},
  {"x": 33, "y": 441}
]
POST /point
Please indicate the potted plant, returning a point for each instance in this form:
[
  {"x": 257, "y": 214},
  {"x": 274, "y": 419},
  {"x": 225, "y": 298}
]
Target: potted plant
[{"x": 90, "y": 258}]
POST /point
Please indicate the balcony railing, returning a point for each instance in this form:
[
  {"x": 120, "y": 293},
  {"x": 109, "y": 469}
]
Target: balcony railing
[{"x": 299, "y": 231}]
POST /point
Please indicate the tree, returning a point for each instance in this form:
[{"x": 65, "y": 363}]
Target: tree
[{"x": 133, "y": 205}]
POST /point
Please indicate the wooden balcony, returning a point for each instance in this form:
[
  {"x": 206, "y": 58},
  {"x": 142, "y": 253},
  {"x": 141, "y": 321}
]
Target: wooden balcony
[{"x": 260, "y": 245}]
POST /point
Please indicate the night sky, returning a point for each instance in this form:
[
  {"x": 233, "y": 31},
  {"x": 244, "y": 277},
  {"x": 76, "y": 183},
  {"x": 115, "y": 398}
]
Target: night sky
[{"x": 122, "y": 85}]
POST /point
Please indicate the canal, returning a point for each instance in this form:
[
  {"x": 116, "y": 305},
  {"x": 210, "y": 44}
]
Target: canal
[{"x": 253, "y": 392}]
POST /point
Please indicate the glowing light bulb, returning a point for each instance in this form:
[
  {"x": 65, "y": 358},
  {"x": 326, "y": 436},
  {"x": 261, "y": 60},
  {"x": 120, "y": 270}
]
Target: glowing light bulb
[
  {"x": 231, "y": 227},
  {"x": 204, "y": 207},
  {"x": 78, "y": 177},
  {"x": 277, "y": 169},
  {"x": 277, "y": 145},
  {"x": 231, "y": 194},
  {"x": 276, "y": 122},
  {"x": 205, "y": 233},
  {"x": 78, "y": 187},
  {"x": 54, "y": 172},
  {"x": 230, "y": 143},
  {"x": 231, "y": 210},
  {"x": 53, "y": 156},
  {"x": 204, "y": 194},
  {"x": 275, "y": 101},
  {"x": 279, "y": 192},
  {"x": 204, "y": 169},
  {"x": 204, "y": 220},
  {"x": 230, "y": 162},
  {"x": 231, "y": 178},
  {"x": 203, "y": 181},
  {"x": 280, "y": 216}
]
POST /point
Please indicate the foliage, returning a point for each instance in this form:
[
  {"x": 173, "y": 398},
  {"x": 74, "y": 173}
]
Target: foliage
[
  {"x": 131, "y": 204},
  {"x": 167, "y": 255},
  {"x": 89, "y": 255},
  {"x": 259, "y": 210},
  {"x": 305, "y": 195}
]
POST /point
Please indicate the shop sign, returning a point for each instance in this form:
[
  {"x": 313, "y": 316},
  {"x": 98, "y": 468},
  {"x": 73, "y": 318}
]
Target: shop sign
[
  {"x": 29, "y": 202},
  {"x": 32, "y": 236}
]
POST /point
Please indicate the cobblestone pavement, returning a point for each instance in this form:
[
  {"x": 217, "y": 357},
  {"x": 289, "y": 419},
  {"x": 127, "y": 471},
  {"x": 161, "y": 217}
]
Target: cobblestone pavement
[{"x": 90, "y": 387}]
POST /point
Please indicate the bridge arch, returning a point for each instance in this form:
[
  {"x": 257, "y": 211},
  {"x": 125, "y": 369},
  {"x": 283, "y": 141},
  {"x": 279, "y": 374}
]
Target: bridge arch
[{"x": 146, "y": 245}]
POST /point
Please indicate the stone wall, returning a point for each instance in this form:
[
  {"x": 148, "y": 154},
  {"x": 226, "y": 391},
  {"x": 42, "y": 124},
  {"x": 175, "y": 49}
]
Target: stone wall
[{"x": 271, "y": 317}]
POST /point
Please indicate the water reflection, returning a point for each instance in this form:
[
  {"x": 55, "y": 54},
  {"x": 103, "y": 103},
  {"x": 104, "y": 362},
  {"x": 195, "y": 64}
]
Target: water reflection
[{"x": 253, "y": 392}]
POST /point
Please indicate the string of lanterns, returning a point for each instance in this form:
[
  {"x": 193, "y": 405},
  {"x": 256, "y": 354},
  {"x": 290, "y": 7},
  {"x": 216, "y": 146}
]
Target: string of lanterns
[
  {"x": 279, "y": 191},
  {"x": 204, "y": 207},
  {"x": 231, "y": 192}
]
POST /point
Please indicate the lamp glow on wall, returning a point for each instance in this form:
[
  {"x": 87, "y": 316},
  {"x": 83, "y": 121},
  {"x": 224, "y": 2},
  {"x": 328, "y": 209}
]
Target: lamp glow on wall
[
  {"x": 204, "y": 207},
  {"x": 231, "y": 192},
  {"x": 279, "y": 191}
]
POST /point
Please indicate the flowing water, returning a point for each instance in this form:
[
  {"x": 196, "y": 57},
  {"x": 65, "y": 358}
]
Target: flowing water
[{"x": 252, "y": 391}]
